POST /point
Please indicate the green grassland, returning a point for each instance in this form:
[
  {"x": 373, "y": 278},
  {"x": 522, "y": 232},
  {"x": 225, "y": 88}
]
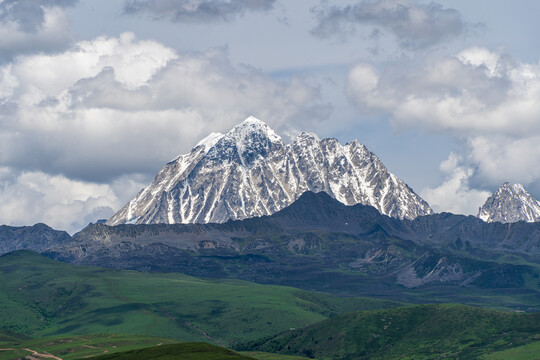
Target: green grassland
[
  {"x": 14, "y": 345},
  {"x": 41, "y": 297},
  {"x": 75, "y": 347},
  {"x": 526, "y": 352},
  {"x": 49, "y": 307},
  {"x": 185, "y": 351},
  {"x": 412, "y": 332}
]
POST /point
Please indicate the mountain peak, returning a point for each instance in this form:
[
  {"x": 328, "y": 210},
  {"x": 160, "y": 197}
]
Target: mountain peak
[
  {"x": 250, "y": 126},
  {"x": 252, "y": 120},
  {"x": 250, "y": 172},
  {"x": 510, "y": 203},
  {"x": 516, "y": 188}
]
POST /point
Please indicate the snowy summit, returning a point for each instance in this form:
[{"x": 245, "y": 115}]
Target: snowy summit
[
  {"x": 250, "y": 172},
  {"x": 510, "y": 203}
]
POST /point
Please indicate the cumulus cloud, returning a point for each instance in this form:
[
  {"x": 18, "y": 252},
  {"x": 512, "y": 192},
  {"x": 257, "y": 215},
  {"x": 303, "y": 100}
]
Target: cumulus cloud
[
  {"x": 501, "y": 158},
  {"x": 455, "y": 194},
  {"x": 486, "y": 99},
  {"x": 475, "y": 92},
  {"x": 187, "y": 11},
  {"x": 413, "y": 24},
  {"x": 33, "y": 26},
  {"x": 120, "y": 105},
  {"x": 32, "y": 196},
  {"x": 117, "y": 108}
]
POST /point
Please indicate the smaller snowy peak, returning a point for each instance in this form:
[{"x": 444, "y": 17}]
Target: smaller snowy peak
[{"x": 510, "y": 203}]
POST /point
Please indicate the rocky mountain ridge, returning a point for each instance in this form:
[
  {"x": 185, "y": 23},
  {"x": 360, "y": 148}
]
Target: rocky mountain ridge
[
  {"x": 251, "y": 172},
  {"x": 318, "y": 243}
]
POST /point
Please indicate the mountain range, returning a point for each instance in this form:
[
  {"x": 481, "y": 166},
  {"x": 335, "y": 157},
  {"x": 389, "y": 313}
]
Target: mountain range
[
  {"x": 250, "y": 172},
  {"x": 318, "y": 243}
]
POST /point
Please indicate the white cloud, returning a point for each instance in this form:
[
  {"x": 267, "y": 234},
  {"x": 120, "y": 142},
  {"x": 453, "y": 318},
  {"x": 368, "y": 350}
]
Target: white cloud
[
  {"x": 113, "y": 106},
  {"x": 414, "y": 25},
  {"x": 196, "y": 10},
  {"x": 501, "y": 158},
  {"x": 32, "y": 196},
  {"x": 455, "y": 194},
  {"x": 485, "y": 99},
  {"x": 475, "y": 92},
  {"x": 49, "y": 31},
  {"x": 362, "y": 79}
]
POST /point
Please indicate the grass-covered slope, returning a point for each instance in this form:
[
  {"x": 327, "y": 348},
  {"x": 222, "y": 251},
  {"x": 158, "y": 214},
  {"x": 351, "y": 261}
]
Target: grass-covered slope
[
  {"x": 185, "y": 351},
  {"x": 75, "y": 347},
  {"x": 42, "y": 297},
  {"x": 530, "y": 351},
  {"x": 10, "y": 336},
  {"x": 17, "y": 346},
  {"x": 415, "y": 332}
]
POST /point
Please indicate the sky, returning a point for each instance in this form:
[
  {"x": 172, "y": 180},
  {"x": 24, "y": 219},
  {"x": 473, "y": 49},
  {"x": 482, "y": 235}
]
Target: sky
[{"x": 97, "y": 95}]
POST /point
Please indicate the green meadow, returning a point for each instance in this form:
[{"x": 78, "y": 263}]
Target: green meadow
[
  {"x": 447, "y": 331},
  {"x": 41, "y": 298}
]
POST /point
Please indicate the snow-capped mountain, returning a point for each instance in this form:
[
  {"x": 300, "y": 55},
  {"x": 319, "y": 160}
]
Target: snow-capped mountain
[
  {"x": 251, "y": 172},
  {"x": 510, "y": 203}
]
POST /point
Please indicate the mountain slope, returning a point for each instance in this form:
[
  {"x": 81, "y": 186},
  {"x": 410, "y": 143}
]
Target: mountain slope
[
  {"x": 42, "y": 297},
  {"x": 416, "y": 332},
  {"x": 251, "y": 172},
  {"x": 510, "y": 203},
  {"x": 184, "y": 351}
]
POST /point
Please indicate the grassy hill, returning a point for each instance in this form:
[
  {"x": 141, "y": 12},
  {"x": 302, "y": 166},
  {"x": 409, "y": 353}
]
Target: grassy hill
[
  {"x": 413, "y": 332},
  {"x": 42, "y": 297},
  {"x": 18, "y": 346},
  {"x": 75, "y": 347},
  {"x": 185, "y": 351}
]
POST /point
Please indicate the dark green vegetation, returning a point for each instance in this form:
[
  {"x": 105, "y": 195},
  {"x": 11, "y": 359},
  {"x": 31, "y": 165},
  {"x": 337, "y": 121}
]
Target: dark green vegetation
[
  {"x": 75, "y": 347},
  {"x": 186, "y": 351},
  {"x": 415, "y": 332},
  {"x": 10, "y": 336},
  {"x": 320, "y": 244},
  {"x": 42, "y": 297},
  {"x": 270, "y": 356}
]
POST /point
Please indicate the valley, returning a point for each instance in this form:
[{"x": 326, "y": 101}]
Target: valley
[{"x": 71, "y": 312}]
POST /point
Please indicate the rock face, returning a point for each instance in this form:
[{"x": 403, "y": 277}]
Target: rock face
[
  {"x": 251, "y": 172},
  {"x": 38, "y": 237},
  {"x": 510, "y": 203}
]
